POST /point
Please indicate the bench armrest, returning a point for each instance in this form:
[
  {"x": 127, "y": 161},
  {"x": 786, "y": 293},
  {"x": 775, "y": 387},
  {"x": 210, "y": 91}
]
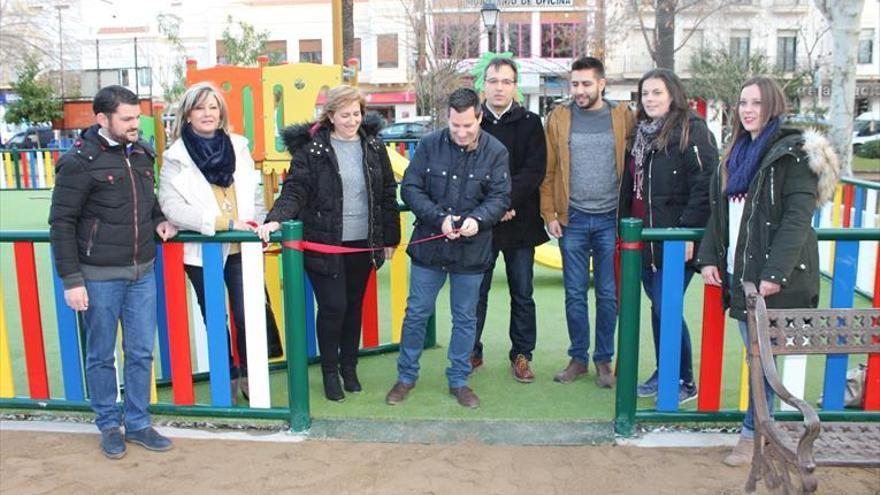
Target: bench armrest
[{"x": 759, "y": 339}]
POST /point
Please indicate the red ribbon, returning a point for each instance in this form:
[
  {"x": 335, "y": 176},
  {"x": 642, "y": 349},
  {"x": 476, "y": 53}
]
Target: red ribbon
[
  {"x": 317, "y": 247},
  {"x": 631, "y": 245}
]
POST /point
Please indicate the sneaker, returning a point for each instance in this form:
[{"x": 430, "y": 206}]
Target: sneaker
[
  {"x": 741, "y": 454},
  {"x": 476, "y": 362},
  {"x": 112, "y": 444},
  {"x": 465, "y": 396},
  {"x": 521, "y": 371},
  {"x": 649, "y": 388},
  {"x": 686, "y": 392},
  {"x": 149, "y": 439},
  {"x": 572, "y": 372},
  {"x": 606, "y": 375},
  {"x": 398, "y": 393}
]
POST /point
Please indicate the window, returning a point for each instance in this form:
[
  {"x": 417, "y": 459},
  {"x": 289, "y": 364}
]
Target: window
[
  {"x": 866, "y": 46},
  {"x": 558, "y": 39},
  {"x": 310, "y": 51},
  {"x": 457, "y": 40},
  {"x": 386, "y": 51},
  {"x": 145, "y": 77},
  {"x": 786, "y": 52},
  {"x": 221, "y": 53},
  {"x": 276, "y": 50},
  {"x": 519, "y": 39},
  {"x": 739, "y": 47}
]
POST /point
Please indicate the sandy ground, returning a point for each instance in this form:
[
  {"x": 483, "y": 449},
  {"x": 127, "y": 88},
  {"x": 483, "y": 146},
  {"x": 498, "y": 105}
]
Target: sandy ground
[{"x": 40, "y": 462}]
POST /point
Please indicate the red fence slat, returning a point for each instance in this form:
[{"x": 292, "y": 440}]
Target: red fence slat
[{"x": 31, "y": 322}]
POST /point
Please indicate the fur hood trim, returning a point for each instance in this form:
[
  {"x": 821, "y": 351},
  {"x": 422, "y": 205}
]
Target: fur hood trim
[
  {"x": 823, "y": 162},
  {"x": 298, "y": 135}
]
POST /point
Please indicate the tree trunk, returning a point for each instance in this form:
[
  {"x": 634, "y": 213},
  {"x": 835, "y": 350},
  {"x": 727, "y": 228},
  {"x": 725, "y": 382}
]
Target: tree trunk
[
  {"x": 843, "y": 16},
  {"x": 664, "y": 24},
  {"x": 347, "y": 30}
]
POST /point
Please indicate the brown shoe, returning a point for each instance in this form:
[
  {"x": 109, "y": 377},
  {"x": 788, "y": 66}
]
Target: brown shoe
[
  {"x": 476, "y": 363},
  {"x": 521, "y": 371},
  {"x": 398, "y": 393},
  {"x": 606, "y": 375},
  {"x": 465, "y": 396},
  {"x": 572, "y": 372}
]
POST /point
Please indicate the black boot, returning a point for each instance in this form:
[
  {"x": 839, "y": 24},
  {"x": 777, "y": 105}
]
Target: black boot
[
  {"x": 332, "y": 387},
  {"x": 350, "y": 379}
]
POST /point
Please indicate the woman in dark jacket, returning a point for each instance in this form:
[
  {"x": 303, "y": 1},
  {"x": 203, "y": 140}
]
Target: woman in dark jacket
[
  {"x": 341, "y": 186},
  {"x": 763, "y": 196},
  {"x": 665, "y": 183}
]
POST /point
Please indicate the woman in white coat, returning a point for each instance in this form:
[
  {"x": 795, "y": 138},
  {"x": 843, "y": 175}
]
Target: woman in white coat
[{"x": 208, "y": 184}]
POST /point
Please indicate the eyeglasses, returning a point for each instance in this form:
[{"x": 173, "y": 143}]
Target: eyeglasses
[{"x": 503, "y": 82}]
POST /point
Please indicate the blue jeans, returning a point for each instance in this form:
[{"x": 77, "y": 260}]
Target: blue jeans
[
  {"x": 519, "y": 264},
  {"x": 748, "y": 429},
  {"x": 133, "y": 302},
  {"x": 424, "y": 285},
  {"x": 589, "y": 235},
  {"x": 653, "y": 283}
]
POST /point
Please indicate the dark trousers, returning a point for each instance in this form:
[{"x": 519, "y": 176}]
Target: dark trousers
[
  {"x": 653, "y": 283},
  {"x": 340, "y": 303},
  {"x": 519, "y": 264},
  {"x": 233, "y": 277}
]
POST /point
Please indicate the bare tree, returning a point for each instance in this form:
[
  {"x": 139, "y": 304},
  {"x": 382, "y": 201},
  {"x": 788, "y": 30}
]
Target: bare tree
[
  {"x": 660, "y": 40},
  {"x": 347, "y": 30},
  {"x": 23, "y": 36},
  {"x": 812, "y": 37},
  {"x": 439, "y": 55},
  {"x": 843, "y": 17}
]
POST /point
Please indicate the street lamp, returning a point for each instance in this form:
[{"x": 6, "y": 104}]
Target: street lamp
[{"x": 489, "y": 13}]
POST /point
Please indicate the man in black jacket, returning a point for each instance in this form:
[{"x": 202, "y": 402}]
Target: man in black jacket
[
  {"x": 521, "y": 228},
  {"x": 103, "y": 219},
  {"x": 458, "y": 187}
]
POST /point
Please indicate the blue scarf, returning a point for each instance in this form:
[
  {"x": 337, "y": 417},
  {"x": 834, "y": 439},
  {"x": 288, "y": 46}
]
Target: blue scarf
[
  {"x": 745, "y": 158},
  {"x": 214, "y": 156}
]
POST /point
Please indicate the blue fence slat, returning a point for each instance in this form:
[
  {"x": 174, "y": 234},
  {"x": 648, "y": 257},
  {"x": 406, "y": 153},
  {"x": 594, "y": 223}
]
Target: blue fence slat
[
  {"x": 162, "y": 314},
  {"x": 846, "y": 261},
  {"x": 68, "y": 342},
  {"x": 32, "y": 164},
  {"x": 311, "y": 333},
  {"x": 218, "y": 343},
  {"x": 859, "y": 205},
  {"x": 671, "y": 307}
]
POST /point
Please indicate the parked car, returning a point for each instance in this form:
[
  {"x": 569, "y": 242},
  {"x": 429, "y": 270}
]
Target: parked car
[
  {"x": 404, "y": 130},
  {"x": 33, "y": 137},
  {"x": 866, "y": 129}
]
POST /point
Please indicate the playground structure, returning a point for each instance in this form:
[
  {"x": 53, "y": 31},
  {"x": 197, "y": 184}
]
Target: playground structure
[{"x": 260, "y": 100}]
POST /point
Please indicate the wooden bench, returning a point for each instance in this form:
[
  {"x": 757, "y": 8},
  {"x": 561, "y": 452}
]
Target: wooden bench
[{"x": 783, "y": 448}]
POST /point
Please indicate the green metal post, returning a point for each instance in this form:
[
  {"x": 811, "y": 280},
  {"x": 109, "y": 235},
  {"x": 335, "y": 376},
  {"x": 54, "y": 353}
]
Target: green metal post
[
  {"x": 295, "y": 328},
  {"x": 628, "y": 325}
]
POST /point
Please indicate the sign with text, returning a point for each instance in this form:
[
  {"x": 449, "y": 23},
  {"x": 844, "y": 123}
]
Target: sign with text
[{"x": 536, "y": 4}]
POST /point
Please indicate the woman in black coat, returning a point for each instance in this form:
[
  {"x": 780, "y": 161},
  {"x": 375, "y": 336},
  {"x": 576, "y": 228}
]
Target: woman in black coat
[
  {"x": 666, "y": 183},
  {"x": 341, "y": 186},
  {"x": 763, "y": 196}
]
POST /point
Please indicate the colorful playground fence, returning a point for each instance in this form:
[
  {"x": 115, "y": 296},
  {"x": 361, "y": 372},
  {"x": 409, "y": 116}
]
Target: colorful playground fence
[
  {"x": 28, "y": 168},
  {"x": 188, "y": 350},
  {"x": 846, "y": 244}
]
